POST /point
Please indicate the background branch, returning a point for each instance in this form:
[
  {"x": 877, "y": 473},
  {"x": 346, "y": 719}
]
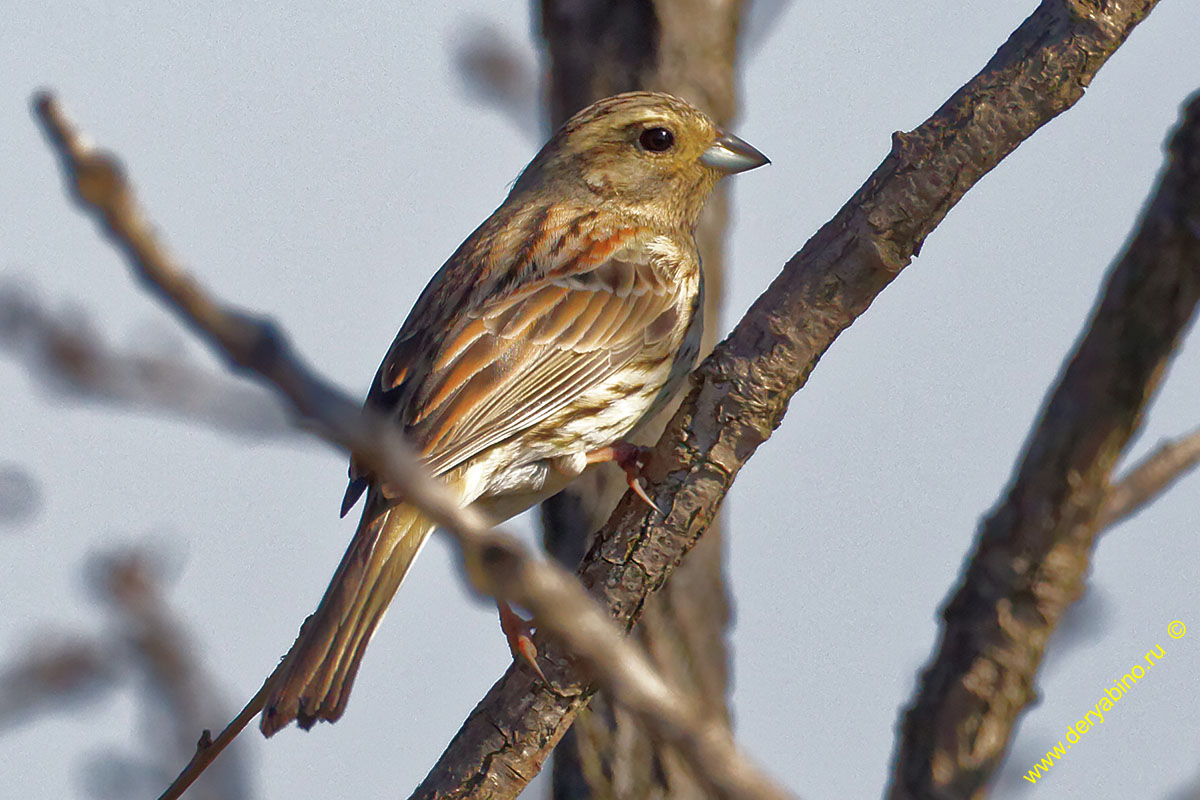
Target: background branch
[
  {"x": 741, "y": 392},
  {"x": 71, "y": 359},
  {"x": 20, "y": 495},
  {"x": 150, "y": 645},
  {"x": 179, "y": 697},
  {"x": 594, "y": 49},
  {"x": 498, "y": 72},
  {"x": 1031, "y": 554}
]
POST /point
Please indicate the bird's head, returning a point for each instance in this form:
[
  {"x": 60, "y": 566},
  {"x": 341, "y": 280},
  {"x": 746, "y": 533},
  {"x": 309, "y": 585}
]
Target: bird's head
[{"x": 646, "y": 153}]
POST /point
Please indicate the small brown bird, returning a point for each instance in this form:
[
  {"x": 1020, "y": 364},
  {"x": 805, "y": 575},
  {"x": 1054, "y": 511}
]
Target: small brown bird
[{"x": 562, "y": 323}]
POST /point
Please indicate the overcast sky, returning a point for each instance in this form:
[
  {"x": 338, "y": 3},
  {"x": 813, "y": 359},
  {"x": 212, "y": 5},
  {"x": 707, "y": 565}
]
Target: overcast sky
[{"x": 320, "y": 165}]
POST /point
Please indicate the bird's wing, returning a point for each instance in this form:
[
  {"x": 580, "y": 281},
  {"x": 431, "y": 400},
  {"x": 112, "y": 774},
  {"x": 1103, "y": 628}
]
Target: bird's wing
[{"x": 514, "y": 358}]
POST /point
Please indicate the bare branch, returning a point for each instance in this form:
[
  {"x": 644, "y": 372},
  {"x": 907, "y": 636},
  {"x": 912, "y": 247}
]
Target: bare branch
[
  {"x": 689, "y": 50},
  {"x": 495, "y": 563},
  {"x": 57, "y": 670},
  {"x": 741, "y": 392},
  {"x": 1031, "y": 554},
  {"x": 151, "y": 643},
  {"x": 181, "y": 698},
  {"x": 71, "y": 359},
  {"x": 1152, "y": 476}
]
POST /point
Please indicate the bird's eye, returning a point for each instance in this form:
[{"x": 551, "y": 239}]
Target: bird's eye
[{"x": 656, "y": 140}]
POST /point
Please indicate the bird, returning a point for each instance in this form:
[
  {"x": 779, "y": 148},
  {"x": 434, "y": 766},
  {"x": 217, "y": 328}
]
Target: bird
[{"x": 562, "y": 323}]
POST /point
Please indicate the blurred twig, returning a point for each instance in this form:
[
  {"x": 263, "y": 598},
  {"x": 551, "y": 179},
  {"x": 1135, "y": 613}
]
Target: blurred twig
[
  {"x": 495, "y": 563},
  {"x": 499, "y": 73},
  {"x": 20, "y": 494},
  {"x": 57, "y": 670},
  {"x": 180, "y": 698},
  {"x": 149, "y": 643},
  {"x": 71, "y": 359}
]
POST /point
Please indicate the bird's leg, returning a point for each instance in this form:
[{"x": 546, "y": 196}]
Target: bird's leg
[
  {"x": 519, "y": 633},
  {"x": 629, "y": 457}
]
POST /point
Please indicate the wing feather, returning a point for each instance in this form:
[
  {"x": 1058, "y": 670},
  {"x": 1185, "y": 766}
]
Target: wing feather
[{"x": 511, "y": 359}]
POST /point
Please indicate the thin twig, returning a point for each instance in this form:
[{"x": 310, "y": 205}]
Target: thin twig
[
  {"x": 496, "y": 564},
  {"x": 207, "y": 748},
  {"x": 1152, "y": 476}
]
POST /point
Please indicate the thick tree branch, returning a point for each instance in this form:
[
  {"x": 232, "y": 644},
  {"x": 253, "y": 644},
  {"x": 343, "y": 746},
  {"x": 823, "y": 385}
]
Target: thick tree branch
[
  {"x": 1031, "y": 555},
  {"x": 595, "y": 48},
  {"x": 495, "y": 563},
  {"x": 741, "y": 392}
]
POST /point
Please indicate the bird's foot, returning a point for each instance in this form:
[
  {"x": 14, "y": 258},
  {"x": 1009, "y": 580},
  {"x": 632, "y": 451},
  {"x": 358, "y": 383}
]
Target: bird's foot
[
  {"x": 519, "y": 633},
  {"x": 632, "y": 459}
]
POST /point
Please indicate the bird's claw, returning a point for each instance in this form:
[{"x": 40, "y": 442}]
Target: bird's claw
[
  {"x": 519, "y": 633},
  {"x": 631, "y": 458},
  {"x": 631, "y": 478}
]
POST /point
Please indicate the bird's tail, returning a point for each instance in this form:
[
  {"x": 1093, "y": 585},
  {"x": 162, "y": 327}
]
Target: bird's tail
[{"x": 313, "y": 681}]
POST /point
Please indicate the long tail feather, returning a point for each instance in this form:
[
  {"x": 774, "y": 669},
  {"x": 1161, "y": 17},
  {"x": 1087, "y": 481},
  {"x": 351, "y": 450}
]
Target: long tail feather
[{"x": 313, "y": 681}]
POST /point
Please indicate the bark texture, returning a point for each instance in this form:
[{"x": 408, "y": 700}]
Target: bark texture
[
  {"x": 596, "y": 48},
  {"x": 740, "y": 393},
  {"x": 1031, "y": 555}
]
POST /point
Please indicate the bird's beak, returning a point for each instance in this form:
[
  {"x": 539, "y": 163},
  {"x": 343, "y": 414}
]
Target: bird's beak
[{"x": 729, "y": 154}]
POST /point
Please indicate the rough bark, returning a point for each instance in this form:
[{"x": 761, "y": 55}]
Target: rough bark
[
  {"x": 741, "y": 392},
  {"x": 1031, "y": 556},
  {"x": 595, "y": 49}
]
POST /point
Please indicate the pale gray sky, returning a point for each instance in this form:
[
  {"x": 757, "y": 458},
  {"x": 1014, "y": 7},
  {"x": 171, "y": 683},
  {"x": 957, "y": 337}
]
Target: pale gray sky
[{"x": 320, "y": 165}]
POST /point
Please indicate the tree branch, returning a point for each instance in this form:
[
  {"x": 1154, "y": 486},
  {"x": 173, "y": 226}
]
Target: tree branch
[
  {"x": 179, "y": 692},
  {"x": 596, "y": 48},
  {"x": 175, "y": 691},
  {"x": 495, "y": 563},
  {"x": 70, "y": 358},
  {"x": 1151, "y": 477},
  {"x": 741, "y": 392},
  {"x": 1031, "y": 554}
]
